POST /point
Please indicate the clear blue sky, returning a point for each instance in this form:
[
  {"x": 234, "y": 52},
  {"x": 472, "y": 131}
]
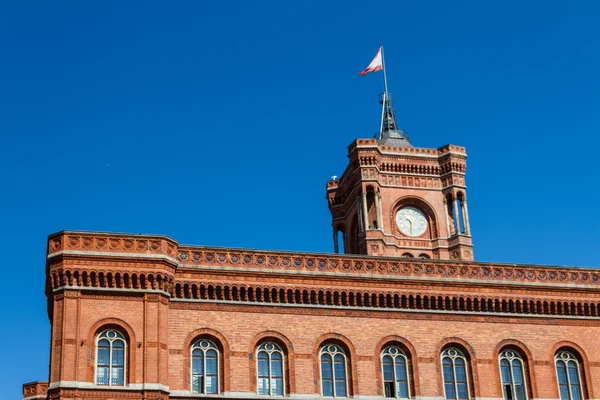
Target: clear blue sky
[{"x": 218, "y": 123}]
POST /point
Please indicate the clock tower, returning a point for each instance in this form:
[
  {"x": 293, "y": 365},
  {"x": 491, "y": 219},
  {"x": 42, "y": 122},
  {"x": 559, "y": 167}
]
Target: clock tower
[{"x": 398, "y": 200}]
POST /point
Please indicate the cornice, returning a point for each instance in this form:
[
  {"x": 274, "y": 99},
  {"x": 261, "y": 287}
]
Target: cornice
[{"x": 153, "y": 248}]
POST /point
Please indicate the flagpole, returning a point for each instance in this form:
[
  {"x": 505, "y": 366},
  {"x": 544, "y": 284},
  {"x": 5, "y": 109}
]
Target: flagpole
[
  {"x": 385, "y": 94},
  {"x": 385, "y": 87}
]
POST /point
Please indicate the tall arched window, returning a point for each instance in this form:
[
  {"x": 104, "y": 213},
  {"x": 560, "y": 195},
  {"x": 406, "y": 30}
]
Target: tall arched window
[
  {"x": 269, "y": 360},
  {"x": 334, "y": 382},
  {"x": 569, "y": 376},
  {"x": 454, "y": 366},
  {"x": 110, "y": 358},
  {"x": 394, "y": 364},
  {"x": 512, "y": 376},
  {"x": 205, "y": 367}
]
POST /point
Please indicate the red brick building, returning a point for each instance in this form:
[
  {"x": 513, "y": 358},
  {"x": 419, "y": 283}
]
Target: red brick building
[{"x": 406, "y": 313}]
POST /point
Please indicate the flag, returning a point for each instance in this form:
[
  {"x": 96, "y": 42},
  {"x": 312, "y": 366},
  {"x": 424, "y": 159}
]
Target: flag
[{"x": 376, "y": 64}]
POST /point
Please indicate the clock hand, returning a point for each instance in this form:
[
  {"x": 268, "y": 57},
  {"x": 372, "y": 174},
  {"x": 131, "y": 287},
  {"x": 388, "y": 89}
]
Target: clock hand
[{"x": 411, "y": 223}]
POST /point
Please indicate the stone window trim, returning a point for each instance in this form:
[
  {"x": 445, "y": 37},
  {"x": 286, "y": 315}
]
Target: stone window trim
[
  {"x": 222, "y": 345},
  {"x": 289, "y": 359}
]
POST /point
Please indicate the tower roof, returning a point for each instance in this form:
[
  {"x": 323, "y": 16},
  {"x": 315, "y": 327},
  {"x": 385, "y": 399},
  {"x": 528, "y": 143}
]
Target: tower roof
[{"x": 390, "y": 134}]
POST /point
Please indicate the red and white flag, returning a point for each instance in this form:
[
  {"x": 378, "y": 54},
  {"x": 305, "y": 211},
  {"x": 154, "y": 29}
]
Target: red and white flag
[{"x": 376, "y": 64}]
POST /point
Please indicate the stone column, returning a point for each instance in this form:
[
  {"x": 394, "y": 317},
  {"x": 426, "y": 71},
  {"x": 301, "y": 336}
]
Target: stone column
[
  {"x": 466, "y": 217},
  {"x": 365, "y": 210},
  {"x": 456, "y": 219},
  {"x": 335, "y": 241},
  {"x": 448, "y": 228},
  {"x": 379, "y": 212},
  {"x": 359, "y": 213}
]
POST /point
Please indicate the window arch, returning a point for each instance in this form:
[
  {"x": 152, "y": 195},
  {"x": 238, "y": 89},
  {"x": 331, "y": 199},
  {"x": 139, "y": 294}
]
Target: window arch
[
  {"x": 569, "y": 376},
  {"x": 455, "y": 374},
  {"x": 334, "y": 379},
  {"x": 512, "y": 375},
  {"x": 394, "y": 365},
  {"x": 110, "y": 358},
  {"x": 205, "y": 367},
  {"x": 270, "y": 369}
]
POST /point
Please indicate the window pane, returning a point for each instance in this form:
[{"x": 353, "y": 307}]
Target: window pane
[
  {"x": 401, "y": 372},
  {"x": 505, "y": 372},
  {"x": 277, "y": 387},
  {"x": 573, "y": 377},
  {"x": 211, "y": 384},
  {"x": 388, "y": 372},
  {"x": 102, "y": 376},
  {"x": 564, "y": 392},
  {"x": 263, "y": 368},
  {"x": 197, "y": 365},
  {"x": 103, "y": 356},
  {"x": 520, "y": 392},
  {"x": 449, "y": 388},
  {"x": 402, "y": 390},
  {"x": 575, "y": 392},
  {"x": 277, "y": 368},
  {"x": 211, "y": 366},
  {"x": 263, "y": 386},
  {"x": 461, "y": 373},
  {"x": 326, "y": 371},
  {"x": 118, "y": 356},
  {"x": 196, "y": 384},
  {"x": 117, "y": 376},
  {"x": 327, "y": 387},
  {"x": 517, "y": 372},
  {"x": 340, "y": 368},
  {"x": 462, "y": 391},
  {"x": 448, "y": 373},
  {"x": 562, "y": 373},
  {"x": 340, "y": 388}
]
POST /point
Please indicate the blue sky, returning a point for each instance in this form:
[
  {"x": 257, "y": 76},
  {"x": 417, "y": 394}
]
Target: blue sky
[{"x": 218, "y": 123}]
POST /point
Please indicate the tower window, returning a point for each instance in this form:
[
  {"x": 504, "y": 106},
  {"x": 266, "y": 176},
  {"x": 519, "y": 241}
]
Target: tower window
[
  {"x": 568, "y": 374},
  {"x": 512, "y": 376},
  {"x": 270, "y": 371},
  {"x": 454, "y": 369},
  {"x": 394, "y": 364},
  {"x": 205, "y": 367},
  {"x": 110, "y": 358},
  {"x": 334, "y": 382}
]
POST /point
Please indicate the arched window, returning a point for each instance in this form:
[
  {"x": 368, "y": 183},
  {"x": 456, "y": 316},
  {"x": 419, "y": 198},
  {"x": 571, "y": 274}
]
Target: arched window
[
  {"x": 205, "y": 367},
  {"x": 110, "y": 358},
  {"x": 454, "y": 366},
  {"x": 334, "y": 382},
  {"x": 569, "y": 376},
  {"x": 394, "y": 364},
  {"x": 269, "y": 360},
  {"x": 512, "y": 376}
]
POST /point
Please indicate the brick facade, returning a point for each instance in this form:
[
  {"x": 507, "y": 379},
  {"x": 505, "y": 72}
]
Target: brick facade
[
  {"x": 163, "y": 297},
  {"x": 422, "y": 294}
]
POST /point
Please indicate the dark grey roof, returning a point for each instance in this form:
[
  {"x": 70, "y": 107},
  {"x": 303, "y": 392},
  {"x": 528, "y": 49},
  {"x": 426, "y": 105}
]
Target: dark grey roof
[
  {"x": 395, "y": 142},
  {"x": 396, "y": 138}
]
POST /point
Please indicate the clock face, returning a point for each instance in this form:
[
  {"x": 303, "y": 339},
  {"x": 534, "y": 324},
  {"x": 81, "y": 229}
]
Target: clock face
[{"x": 411, "y": 221}]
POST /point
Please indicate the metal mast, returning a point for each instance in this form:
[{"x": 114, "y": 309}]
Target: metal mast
[{"x": 388, "y": 128}]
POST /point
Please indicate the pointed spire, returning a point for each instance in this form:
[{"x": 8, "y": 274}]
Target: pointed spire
[{"x": 390, "y": 134}]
